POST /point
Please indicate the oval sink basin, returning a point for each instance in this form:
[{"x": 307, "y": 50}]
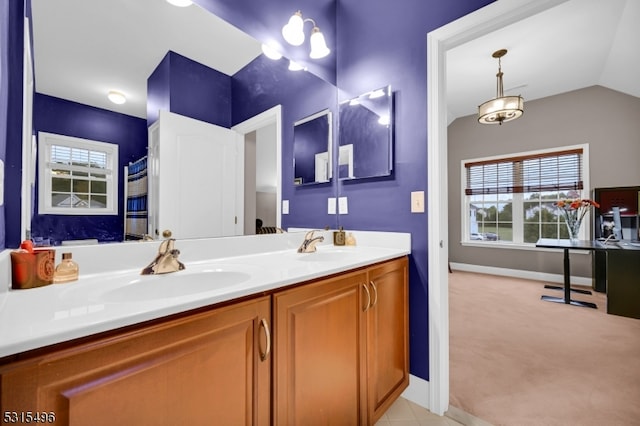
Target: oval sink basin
[{"x": 183, "y": 283}]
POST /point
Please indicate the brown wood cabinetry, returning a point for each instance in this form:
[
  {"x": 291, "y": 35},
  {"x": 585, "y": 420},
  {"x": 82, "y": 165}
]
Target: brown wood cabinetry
[
  {"x": 341, "y": 347},
  {"x": 387, "y": 336},
  {"x": 201, "y": 369},
  {"x": 336, "y": 353}
]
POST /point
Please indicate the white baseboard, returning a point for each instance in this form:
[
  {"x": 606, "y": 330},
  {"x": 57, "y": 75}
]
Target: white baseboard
[
  {"x": 417, "y": 391},
  {"x": 517, "y": 273}
]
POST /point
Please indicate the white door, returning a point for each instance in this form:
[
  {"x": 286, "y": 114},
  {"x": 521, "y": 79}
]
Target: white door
[{"x": 194, "y": 175}]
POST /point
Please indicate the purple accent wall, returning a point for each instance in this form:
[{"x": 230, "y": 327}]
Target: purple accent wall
[
  {"x": 265, "y": 83},
  {"x": 186, "y": 87},
  {"x": 13, "y": 135},
  {"x": 386, "y": 44},
  {"x": 4, "y": 101},
  {"x": 55, "y": 115},
  {"x": 158, "y": 94}
]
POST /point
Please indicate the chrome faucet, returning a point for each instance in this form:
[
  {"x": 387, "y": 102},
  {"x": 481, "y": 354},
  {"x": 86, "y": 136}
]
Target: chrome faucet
[
  {"x": 309, "y": 243},
  {"x": 166, "y": 261}
]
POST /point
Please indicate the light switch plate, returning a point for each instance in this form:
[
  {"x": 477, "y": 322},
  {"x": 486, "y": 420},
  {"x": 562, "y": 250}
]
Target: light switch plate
[
  {"x": 417, "y": 202},
  {"x": 331, "y": 205},
  {"x": 285, "y": 206},
  {"x": 343, "y": 205}
]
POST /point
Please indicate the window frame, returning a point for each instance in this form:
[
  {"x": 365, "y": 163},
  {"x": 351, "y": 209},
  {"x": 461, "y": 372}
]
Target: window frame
[
  {"x": 518, "y": 200},
  {"x": 46, "y": 141}
]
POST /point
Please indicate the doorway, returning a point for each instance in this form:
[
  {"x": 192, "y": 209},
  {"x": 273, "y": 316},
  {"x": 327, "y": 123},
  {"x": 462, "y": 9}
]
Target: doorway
[
  {"x": 481, "y": 22},
  {"x": 261, "y": 137}
]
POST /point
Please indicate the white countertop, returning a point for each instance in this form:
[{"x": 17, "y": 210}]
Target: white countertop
[{"x": 111, "y": 293}]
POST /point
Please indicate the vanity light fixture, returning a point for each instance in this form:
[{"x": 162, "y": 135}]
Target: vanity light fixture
[
  {"x": 501, "y": 108},
  {"x": 293, "y": 33},
  {"x": 116, "y": 97},
  {"x": 180, "y": 3}
]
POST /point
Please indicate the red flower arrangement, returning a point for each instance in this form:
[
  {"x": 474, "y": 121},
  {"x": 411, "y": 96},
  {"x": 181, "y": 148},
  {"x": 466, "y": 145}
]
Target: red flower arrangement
[{"x": 573, "y": 212}]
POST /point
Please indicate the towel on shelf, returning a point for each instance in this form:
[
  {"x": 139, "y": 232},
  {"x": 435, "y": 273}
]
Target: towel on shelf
[{"x": 136, "y": 214}]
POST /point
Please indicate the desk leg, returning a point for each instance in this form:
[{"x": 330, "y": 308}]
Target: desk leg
[{"x": 567, "y": 288}]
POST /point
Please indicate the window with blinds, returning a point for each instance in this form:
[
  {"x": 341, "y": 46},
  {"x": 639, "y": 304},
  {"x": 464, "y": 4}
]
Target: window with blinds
[
  {"x": 77, "y": 176},
  {"x": 512, "y": 198}
]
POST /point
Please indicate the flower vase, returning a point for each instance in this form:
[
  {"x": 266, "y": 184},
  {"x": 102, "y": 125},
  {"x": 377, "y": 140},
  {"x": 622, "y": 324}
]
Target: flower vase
[{"x": 574, "y": 230}]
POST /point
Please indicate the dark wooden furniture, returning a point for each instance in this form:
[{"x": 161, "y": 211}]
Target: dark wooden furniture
[
  {"x": 623, "y": 281},
  {"x": 628, "y": 199}
]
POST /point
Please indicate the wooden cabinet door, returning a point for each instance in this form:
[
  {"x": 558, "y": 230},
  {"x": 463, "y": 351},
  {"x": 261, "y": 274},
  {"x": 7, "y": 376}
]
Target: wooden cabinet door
[
  {"x": 203, "y": 369},
  {"x": 387, "y": 336},
  {"x": 319, "y": 373}
]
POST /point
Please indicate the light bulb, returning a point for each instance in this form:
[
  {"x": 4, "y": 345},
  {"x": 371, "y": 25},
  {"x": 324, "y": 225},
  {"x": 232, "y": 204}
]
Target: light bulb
[
  {"x": 294, "y": 66},
  {"x": 116, "y": 97},
  {"x": 292, "y": 32},
  {"x": 270, "y": 52},
  {"x": 319, "y": 47}
]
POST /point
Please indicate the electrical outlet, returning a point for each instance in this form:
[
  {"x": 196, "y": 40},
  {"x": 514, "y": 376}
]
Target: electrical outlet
[
  {"x": 285, "y": 206},
  {"x": 417, "y": 202},
  {"x": 343, "y": 205}
]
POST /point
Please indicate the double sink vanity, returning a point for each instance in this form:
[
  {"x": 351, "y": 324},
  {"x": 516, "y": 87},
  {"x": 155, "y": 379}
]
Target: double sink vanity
[{"x": 250, "y": 332}]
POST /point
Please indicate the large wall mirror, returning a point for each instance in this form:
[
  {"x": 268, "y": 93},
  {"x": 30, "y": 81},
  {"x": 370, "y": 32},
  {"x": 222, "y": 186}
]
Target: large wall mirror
[
  {"x": 312, "y": 141},
  {"x": 366, "y": 135},
  {"x": 130, "y": 39}
]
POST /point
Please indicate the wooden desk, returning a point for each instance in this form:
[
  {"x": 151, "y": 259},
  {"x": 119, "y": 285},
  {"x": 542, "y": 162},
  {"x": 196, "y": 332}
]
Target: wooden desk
[{"x": 567, "y": 245}]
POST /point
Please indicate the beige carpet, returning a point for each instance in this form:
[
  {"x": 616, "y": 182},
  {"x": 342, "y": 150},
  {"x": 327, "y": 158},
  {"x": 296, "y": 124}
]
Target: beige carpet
[{"x": 517, "y": 360}]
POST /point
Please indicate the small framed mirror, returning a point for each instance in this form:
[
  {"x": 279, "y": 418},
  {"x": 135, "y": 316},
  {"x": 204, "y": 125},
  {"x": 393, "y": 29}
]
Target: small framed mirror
[
  {"x": 366, "y": 135},
  {"x": 312, "y": 138}
]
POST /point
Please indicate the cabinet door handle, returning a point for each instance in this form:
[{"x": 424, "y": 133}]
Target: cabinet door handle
[
  {"x": 263, "y": 324},
  {"x": 366, "y": 308},
  {"x": 375, "y": 293}
]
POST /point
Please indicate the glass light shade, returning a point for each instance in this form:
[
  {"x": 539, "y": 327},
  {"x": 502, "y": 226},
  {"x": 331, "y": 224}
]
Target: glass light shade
[
  {"x": 180, "y": 3},
  {"x": 319, "y": 47},
  {"x": 500, "y": 110},
  {"x": 116, "y": 97},
  {"x": 292, "y": 32},
  {"x": 270, "y": 52}
]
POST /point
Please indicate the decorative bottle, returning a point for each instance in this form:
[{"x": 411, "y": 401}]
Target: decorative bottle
[{"x": 67, "y": 270}]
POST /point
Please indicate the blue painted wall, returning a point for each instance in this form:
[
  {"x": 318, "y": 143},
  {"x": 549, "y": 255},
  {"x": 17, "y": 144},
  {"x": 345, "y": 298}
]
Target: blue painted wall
[
  {"x": 186, "y": 87},
  {"x": 386, "y": 44},
  {"x": 63, "y": 117},
  {"x": 13, "y": 134},
  {"x": 4, "y": 99}
]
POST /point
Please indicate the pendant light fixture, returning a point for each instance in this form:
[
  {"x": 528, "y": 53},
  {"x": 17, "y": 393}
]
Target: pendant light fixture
[
  {"x": 502, "y": 108},
  {"x": 293, "y": 33}
]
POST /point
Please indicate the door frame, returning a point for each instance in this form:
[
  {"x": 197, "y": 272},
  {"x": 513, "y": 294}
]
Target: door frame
[
  {"x": 483, "y": 21},
  {"x": 265, "y": 118}
]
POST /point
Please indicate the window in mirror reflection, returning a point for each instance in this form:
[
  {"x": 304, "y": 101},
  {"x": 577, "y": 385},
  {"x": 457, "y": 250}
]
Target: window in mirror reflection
[
  {"x": 77, "y": 176},
  {"x": 312, "y": 149},
  {"x": 365, "y": 136}
]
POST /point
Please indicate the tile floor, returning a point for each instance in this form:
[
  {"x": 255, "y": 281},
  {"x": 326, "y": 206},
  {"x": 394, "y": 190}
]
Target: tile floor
[{"x": 405, "y": 413}]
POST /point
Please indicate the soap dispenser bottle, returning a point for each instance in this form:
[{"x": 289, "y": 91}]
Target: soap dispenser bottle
[{"x": 67, "y": 270}]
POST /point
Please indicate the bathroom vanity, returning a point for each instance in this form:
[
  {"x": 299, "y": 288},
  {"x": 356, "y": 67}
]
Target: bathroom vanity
[{"x": 301, "y": 339}]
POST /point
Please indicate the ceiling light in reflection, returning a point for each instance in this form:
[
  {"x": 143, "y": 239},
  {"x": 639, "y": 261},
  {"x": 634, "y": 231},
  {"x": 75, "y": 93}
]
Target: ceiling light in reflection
[{"x": 116, "y": 97}]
